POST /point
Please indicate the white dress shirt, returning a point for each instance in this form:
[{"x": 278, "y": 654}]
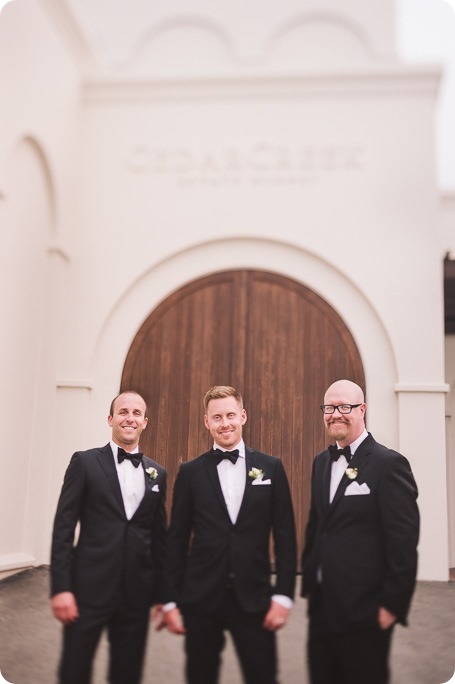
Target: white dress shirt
[
  {"x": 132, "y": 482},
  {"x": 339, "y": 467},
  {"x": 232, "y": 479}
]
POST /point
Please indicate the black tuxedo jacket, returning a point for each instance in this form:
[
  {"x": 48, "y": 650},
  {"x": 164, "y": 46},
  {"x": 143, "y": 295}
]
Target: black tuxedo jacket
[
  {"x": 365, "y": 546},
  {"x": 112, "y": 552},
  {"x": 205, "y": 547}
]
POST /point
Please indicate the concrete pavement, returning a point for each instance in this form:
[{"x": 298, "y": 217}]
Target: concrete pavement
[{"x": 423, "y": 653}]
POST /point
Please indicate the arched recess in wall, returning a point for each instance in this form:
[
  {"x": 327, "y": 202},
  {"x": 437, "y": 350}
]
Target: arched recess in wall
[
  {"x": 319, "y": 41},
  {"x": 184, "y": 43},
  {"x": 153, "y": 287},
  {"x": 268, "y": 335},
  {"x": 24, "y": 311}
]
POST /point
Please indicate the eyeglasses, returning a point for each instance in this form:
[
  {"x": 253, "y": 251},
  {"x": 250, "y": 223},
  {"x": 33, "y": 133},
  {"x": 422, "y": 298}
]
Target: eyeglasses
[{"x": 342, "y": 408}]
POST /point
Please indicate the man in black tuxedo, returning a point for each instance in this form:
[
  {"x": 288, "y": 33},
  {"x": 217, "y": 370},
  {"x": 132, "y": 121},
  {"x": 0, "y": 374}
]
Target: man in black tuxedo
[
  {"x": 360, "y": 558},
  {"x": 227, "y": 503},
  {"x": 112, "y": 576}
]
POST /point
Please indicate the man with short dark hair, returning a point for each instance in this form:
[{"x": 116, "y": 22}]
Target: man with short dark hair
[
  {"x": 360, "y": 558},
  {"x": 227, "y": 505},
  {"x": 112, "y": 576}
]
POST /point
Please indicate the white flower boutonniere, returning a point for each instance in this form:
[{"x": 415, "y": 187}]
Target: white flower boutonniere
[
  {"x": 152, "y": 473},
  {"x": 256, "y": 474},
  {"x": 351, "y": 473}
]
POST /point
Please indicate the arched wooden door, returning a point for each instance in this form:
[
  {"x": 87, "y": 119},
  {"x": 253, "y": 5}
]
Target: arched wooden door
[{"x": 275, "y": 340}]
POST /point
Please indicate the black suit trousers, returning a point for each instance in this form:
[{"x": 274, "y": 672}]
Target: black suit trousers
[
  {"x": 127, "y": 632},
  {"x": 255, "y": 646},
  {"x": 357, "y": 657}
]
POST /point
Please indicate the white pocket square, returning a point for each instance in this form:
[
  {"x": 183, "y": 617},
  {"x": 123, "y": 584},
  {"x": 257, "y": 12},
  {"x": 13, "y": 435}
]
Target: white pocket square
[
  {"x": 261, "y": 482},
  {"x": 156, "y": 488},
  {"x": 355, "y": 489}
]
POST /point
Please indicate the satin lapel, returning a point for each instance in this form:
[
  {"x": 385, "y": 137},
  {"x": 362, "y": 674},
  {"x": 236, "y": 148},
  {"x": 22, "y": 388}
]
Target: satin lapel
[
  {"x": 326, "y": 475},
  {"x": 149, "y": 483},
  {"x": 106, "y": 461},
  {"x": 339, "y": 492},
  {"x": 250, "y": 462},
  {"x": 362, "y": 456},
  {"x": 212, "y": 472}
]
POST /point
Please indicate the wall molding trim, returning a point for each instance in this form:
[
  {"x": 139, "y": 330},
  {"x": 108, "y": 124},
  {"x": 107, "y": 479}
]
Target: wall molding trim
[
  {"x": 441, "y": 388},
  {"x": 392, "y": 79},
  {"x": 74, "y": 384}
]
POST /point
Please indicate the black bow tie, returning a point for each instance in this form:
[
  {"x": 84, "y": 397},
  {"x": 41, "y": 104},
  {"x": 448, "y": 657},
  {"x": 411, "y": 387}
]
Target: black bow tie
[
  {"x": 231, "y": 455},
  {"x": 335, "y": 453},
  {"x": 134, "y": 458}
]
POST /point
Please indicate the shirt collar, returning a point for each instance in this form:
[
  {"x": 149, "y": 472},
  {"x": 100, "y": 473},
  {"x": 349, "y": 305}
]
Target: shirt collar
[{"x": 357, "y": 442}]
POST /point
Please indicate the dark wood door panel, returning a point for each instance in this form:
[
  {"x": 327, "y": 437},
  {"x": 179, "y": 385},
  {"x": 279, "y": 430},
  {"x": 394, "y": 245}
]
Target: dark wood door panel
[
  {"x": 180, "y": 350},
  {"x": 275, "y": 340},
  {"x": 297, "y": 345}
]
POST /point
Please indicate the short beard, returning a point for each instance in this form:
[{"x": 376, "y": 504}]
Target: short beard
[{"x": 333, "y": 430}]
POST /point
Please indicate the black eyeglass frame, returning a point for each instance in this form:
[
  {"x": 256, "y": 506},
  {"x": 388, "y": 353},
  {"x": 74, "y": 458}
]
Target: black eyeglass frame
[{"x": 343, "y": 413}]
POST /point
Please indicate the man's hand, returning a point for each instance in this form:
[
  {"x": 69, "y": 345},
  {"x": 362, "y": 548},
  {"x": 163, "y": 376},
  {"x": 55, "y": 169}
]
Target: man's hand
[
  {"x": 276, "y": 617},
  {"x": 64, "y": 607},
  {"x": 157, "y": 617},
  {"x": 174, "y": 621},
  {"x": 385, "y": 618}
]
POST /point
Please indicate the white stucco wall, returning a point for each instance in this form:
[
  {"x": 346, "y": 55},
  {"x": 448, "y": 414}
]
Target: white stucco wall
[
  {"x": 39, "y": 112},
  {"x": 323, "y": 172}
]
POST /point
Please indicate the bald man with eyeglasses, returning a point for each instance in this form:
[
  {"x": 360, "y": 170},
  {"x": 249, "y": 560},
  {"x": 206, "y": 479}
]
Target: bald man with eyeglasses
[{"x": 359, "y": 561}]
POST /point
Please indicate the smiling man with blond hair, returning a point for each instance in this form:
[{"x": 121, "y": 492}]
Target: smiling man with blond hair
[{"x": 227, "y": 505}]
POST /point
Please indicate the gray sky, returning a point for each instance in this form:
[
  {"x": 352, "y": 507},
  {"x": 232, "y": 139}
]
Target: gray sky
[{"x": 426, "y": 33}]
